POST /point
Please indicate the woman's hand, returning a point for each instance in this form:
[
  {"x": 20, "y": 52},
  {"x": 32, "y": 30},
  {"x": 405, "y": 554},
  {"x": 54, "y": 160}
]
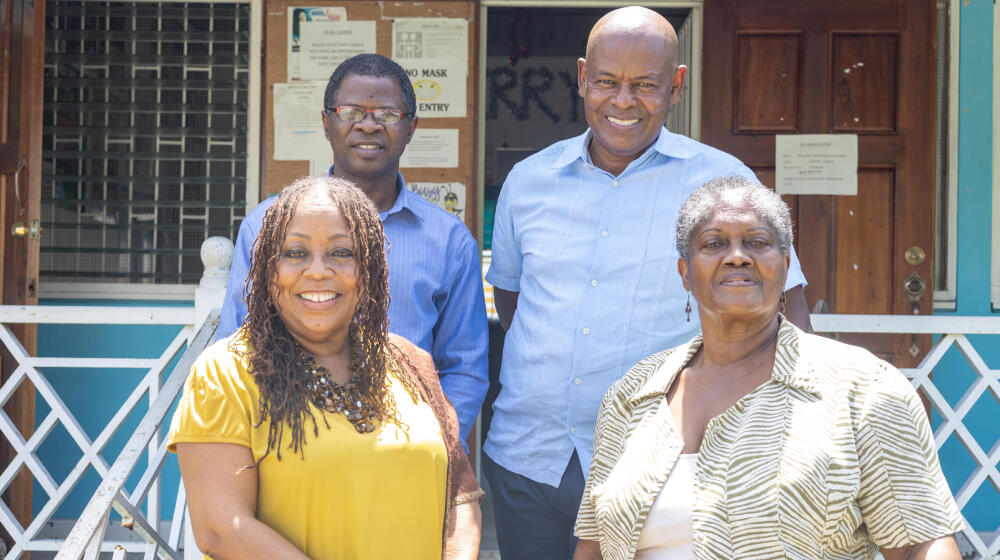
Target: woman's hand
[
  {"x": 587, "y": 550},
  {"x": 465, "y": 527},
  {"x": 222, "y": 499},
  {"x": 944, "y": 548}
]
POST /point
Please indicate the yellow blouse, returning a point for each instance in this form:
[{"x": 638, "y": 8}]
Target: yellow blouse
[
  {"x": 832, "y": 457},
  {"x": 374, "y": 495}
]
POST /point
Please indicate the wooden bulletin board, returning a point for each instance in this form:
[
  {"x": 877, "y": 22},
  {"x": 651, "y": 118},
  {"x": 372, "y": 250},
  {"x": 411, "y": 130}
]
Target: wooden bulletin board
[{"x": 275, "y": 175}]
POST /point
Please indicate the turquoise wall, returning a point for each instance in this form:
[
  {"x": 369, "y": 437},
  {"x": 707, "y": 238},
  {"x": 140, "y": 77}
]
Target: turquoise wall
[
  {"x": 975, "y": 204},
  {"x": 95, "y": 395}
]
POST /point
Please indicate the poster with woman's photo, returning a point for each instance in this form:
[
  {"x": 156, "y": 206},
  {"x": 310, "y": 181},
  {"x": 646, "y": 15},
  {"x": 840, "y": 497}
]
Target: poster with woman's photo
[{"x": 299, "y": 17}]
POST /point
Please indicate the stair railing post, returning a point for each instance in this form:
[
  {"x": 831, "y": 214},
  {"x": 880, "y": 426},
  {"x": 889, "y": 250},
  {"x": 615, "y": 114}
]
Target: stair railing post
[{"x": 217, "y": 256}]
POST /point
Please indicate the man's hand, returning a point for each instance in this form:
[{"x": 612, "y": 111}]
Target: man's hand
[{"x": 506, "y": 304}]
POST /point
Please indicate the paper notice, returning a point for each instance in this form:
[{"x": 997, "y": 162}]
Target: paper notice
[
  {"x": 297, "y": 16},
  {"x": 326, "y": 44},
  {"x": 298, "y": 124},
  {"x": 431, "y": 38},
  {"x": 320, "y": 167},
  {"x": 449, "y": 196},
  {"x": 816, "y": 164},
  {"x": 439, "y": 84},
  {"x": 431, "y": 147}
]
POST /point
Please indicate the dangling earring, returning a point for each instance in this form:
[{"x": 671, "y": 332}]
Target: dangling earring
[
  {"x": 687, "y": 308},
  {"x": 782, "y": 304}
]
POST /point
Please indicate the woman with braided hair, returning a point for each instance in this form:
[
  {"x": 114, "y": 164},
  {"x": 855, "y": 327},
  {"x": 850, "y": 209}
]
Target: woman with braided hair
[{"x": 312, "y": 432}]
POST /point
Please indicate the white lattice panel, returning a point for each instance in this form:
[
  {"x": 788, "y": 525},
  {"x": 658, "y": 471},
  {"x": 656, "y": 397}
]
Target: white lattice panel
[{"x": 29, "y": 368}]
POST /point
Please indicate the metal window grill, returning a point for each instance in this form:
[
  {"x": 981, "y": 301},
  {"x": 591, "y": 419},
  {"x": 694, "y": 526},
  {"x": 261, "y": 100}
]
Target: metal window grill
[{"x": 144, "y": 137}]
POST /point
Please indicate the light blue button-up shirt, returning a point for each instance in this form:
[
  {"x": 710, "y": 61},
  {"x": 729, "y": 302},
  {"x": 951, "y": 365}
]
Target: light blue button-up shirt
[
  {"x": 594, "y": 260},
  {"x": 436, "y": 286}
]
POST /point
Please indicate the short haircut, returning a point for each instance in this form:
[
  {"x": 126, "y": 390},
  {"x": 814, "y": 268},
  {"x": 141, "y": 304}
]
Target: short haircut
[
  {"x": 369, "y": 64},
  {"x": 727, "y": 193}
]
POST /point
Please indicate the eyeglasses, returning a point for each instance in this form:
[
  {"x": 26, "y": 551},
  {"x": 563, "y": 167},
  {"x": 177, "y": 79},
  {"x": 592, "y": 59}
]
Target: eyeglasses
[{"x": 353, "y": 114}]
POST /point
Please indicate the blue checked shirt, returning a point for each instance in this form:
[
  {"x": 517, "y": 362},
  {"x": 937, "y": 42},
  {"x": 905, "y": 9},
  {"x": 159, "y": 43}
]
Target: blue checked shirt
[
  {"x": 436, "y": 285},
  {"x": 594, "y": 261}
]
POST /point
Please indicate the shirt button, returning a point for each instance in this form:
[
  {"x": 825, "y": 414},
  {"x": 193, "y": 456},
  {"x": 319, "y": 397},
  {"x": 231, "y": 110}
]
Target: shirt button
[
  {"x": 572, "y": 430},
  {"x": 577, "y": 381},
  {"x": 593, "y": 283},
  {"x": 614, "y": 183},
  {"x": 604, "y": 233},
  {"x": 586, "y": 330}
]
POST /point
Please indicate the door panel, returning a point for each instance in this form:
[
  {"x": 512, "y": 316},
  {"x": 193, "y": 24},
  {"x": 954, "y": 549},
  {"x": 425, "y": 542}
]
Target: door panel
[
  {"x": 864, "y": 244},
  {"x": 862, "y": 67},
  {"x": 767, "y": 83},
  {"x": 864, "y": 97}
]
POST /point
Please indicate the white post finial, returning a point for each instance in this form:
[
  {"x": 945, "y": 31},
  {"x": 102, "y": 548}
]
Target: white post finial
[{"x": 217, "y": 257}]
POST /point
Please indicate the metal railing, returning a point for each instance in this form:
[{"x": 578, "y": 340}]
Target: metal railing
[
  {"x": 216, "y": 255},
  {"x": 87, "y": 536},
  {"x": 29, "y": 370},
  {"x": 982, "y": 543},
  {"x": 91, "y": 534}
]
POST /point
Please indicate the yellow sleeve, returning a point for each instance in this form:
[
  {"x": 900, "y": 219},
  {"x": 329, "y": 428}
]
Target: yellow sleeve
[
  {"x": 219, "y": 402},
  {"x": 904, "y": 498}
]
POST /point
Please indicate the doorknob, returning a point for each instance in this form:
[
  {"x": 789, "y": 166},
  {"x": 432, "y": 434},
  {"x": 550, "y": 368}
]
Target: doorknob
[
  {"x": 914, "y": 287},
  {"x": 19, "y": 230}
]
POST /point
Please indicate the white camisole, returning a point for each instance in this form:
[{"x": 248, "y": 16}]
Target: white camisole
[{"x": 668, "y": 532}]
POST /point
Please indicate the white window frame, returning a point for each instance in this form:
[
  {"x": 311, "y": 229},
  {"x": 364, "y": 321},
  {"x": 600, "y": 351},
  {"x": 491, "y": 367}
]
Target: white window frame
[
  {"x": 995, "y": 238},
  {"x": 946, "y": 299},
  {"x": 185, "y": 292}
]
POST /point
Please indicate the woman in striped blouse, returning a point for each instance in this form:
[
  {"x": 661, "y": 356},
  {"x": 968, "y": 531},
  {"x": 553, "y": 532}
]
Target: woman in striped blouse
[{"x": 756, "y": 440}]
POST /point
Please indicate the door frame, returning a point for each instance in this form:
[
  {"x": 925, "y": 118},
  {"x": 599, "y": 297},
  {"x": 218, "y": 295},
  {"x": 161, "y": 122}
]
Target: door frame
[
  {"x": 25, "y": 54},
  {"x": 995, "y": 252}
]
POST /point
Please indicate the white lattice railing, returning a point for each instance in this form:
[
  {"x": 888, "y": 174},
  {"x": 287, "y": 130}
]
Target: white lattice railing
[
  {"x": 91, "y": 533},
  {"x": 87, "y": 538},
  {"x": 140, "y": 508},
  {"x": 982, "y": 542}
]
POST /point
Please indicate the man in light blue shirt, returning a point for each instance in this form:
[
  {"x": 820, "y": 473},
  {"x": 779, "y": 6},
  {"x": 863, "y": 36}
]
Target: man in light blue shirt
[
  {"x": 435, "y": 280},
  {"x": 583, "y": 251}
]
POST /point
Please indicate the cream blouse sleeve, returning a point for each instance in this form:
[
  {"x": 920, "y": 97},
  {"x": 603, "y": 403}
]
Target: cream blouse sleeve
[
  {"x": 904, "y": 498},
  {"x": 218, "y": 402}
]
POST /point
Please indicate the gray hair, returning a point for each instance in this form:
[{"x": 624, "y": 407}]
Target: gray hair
[{"x": 733, "y": 192}]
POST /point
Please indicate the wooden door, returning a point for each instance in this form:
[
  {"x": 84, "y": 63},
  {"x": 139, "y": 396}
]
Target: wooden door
[
  {"x": 21, "y": 70},
  {"x": 862, "y": 67}
]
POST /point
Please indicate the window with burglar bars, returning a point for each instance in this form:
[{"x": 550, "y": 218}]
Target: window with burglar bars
[{"x": 144, "y": 138}]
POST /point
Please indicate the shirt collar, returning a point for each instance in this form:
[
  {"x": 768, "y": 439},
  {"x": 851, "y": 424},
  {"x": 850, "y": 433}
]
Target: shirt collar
[
  {"x": 789, "y": 368},
  {"x": 667, "y": 144},
  {"x": 403, "y": 200}
]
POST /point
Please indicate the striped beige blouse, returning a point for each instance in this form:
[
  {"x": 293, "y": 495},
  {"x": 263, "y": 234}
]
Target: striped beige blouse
[{"x": 831, "y": 458}]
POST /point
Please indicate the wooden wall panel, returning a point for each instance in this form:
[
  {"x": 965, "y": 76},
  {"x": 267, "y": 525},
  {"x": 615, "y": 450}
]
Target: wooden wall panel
[
  {"x": 275, "y": 175},
  {"x": 766, "y": 62},
  {"x": 864, "y": 245},
  {"x": 865, "y": 84}
]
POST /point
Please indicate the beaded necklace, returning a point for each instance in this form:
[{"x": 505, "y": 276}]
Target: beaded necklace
[{"x": 344, "y": 399}]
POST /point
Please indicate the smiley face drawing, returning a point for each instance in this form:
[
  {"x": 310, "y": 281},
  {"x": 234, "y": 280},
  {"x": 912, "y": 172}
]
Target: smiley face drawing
[
  {"x": 451, "y": 204},
  {"x": 426, "y": 90}
]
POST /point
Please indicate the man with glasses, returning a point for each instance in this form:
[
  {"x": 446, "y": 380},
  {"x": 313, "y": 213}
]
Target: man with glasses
[{"x": 435, "y": 281}]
